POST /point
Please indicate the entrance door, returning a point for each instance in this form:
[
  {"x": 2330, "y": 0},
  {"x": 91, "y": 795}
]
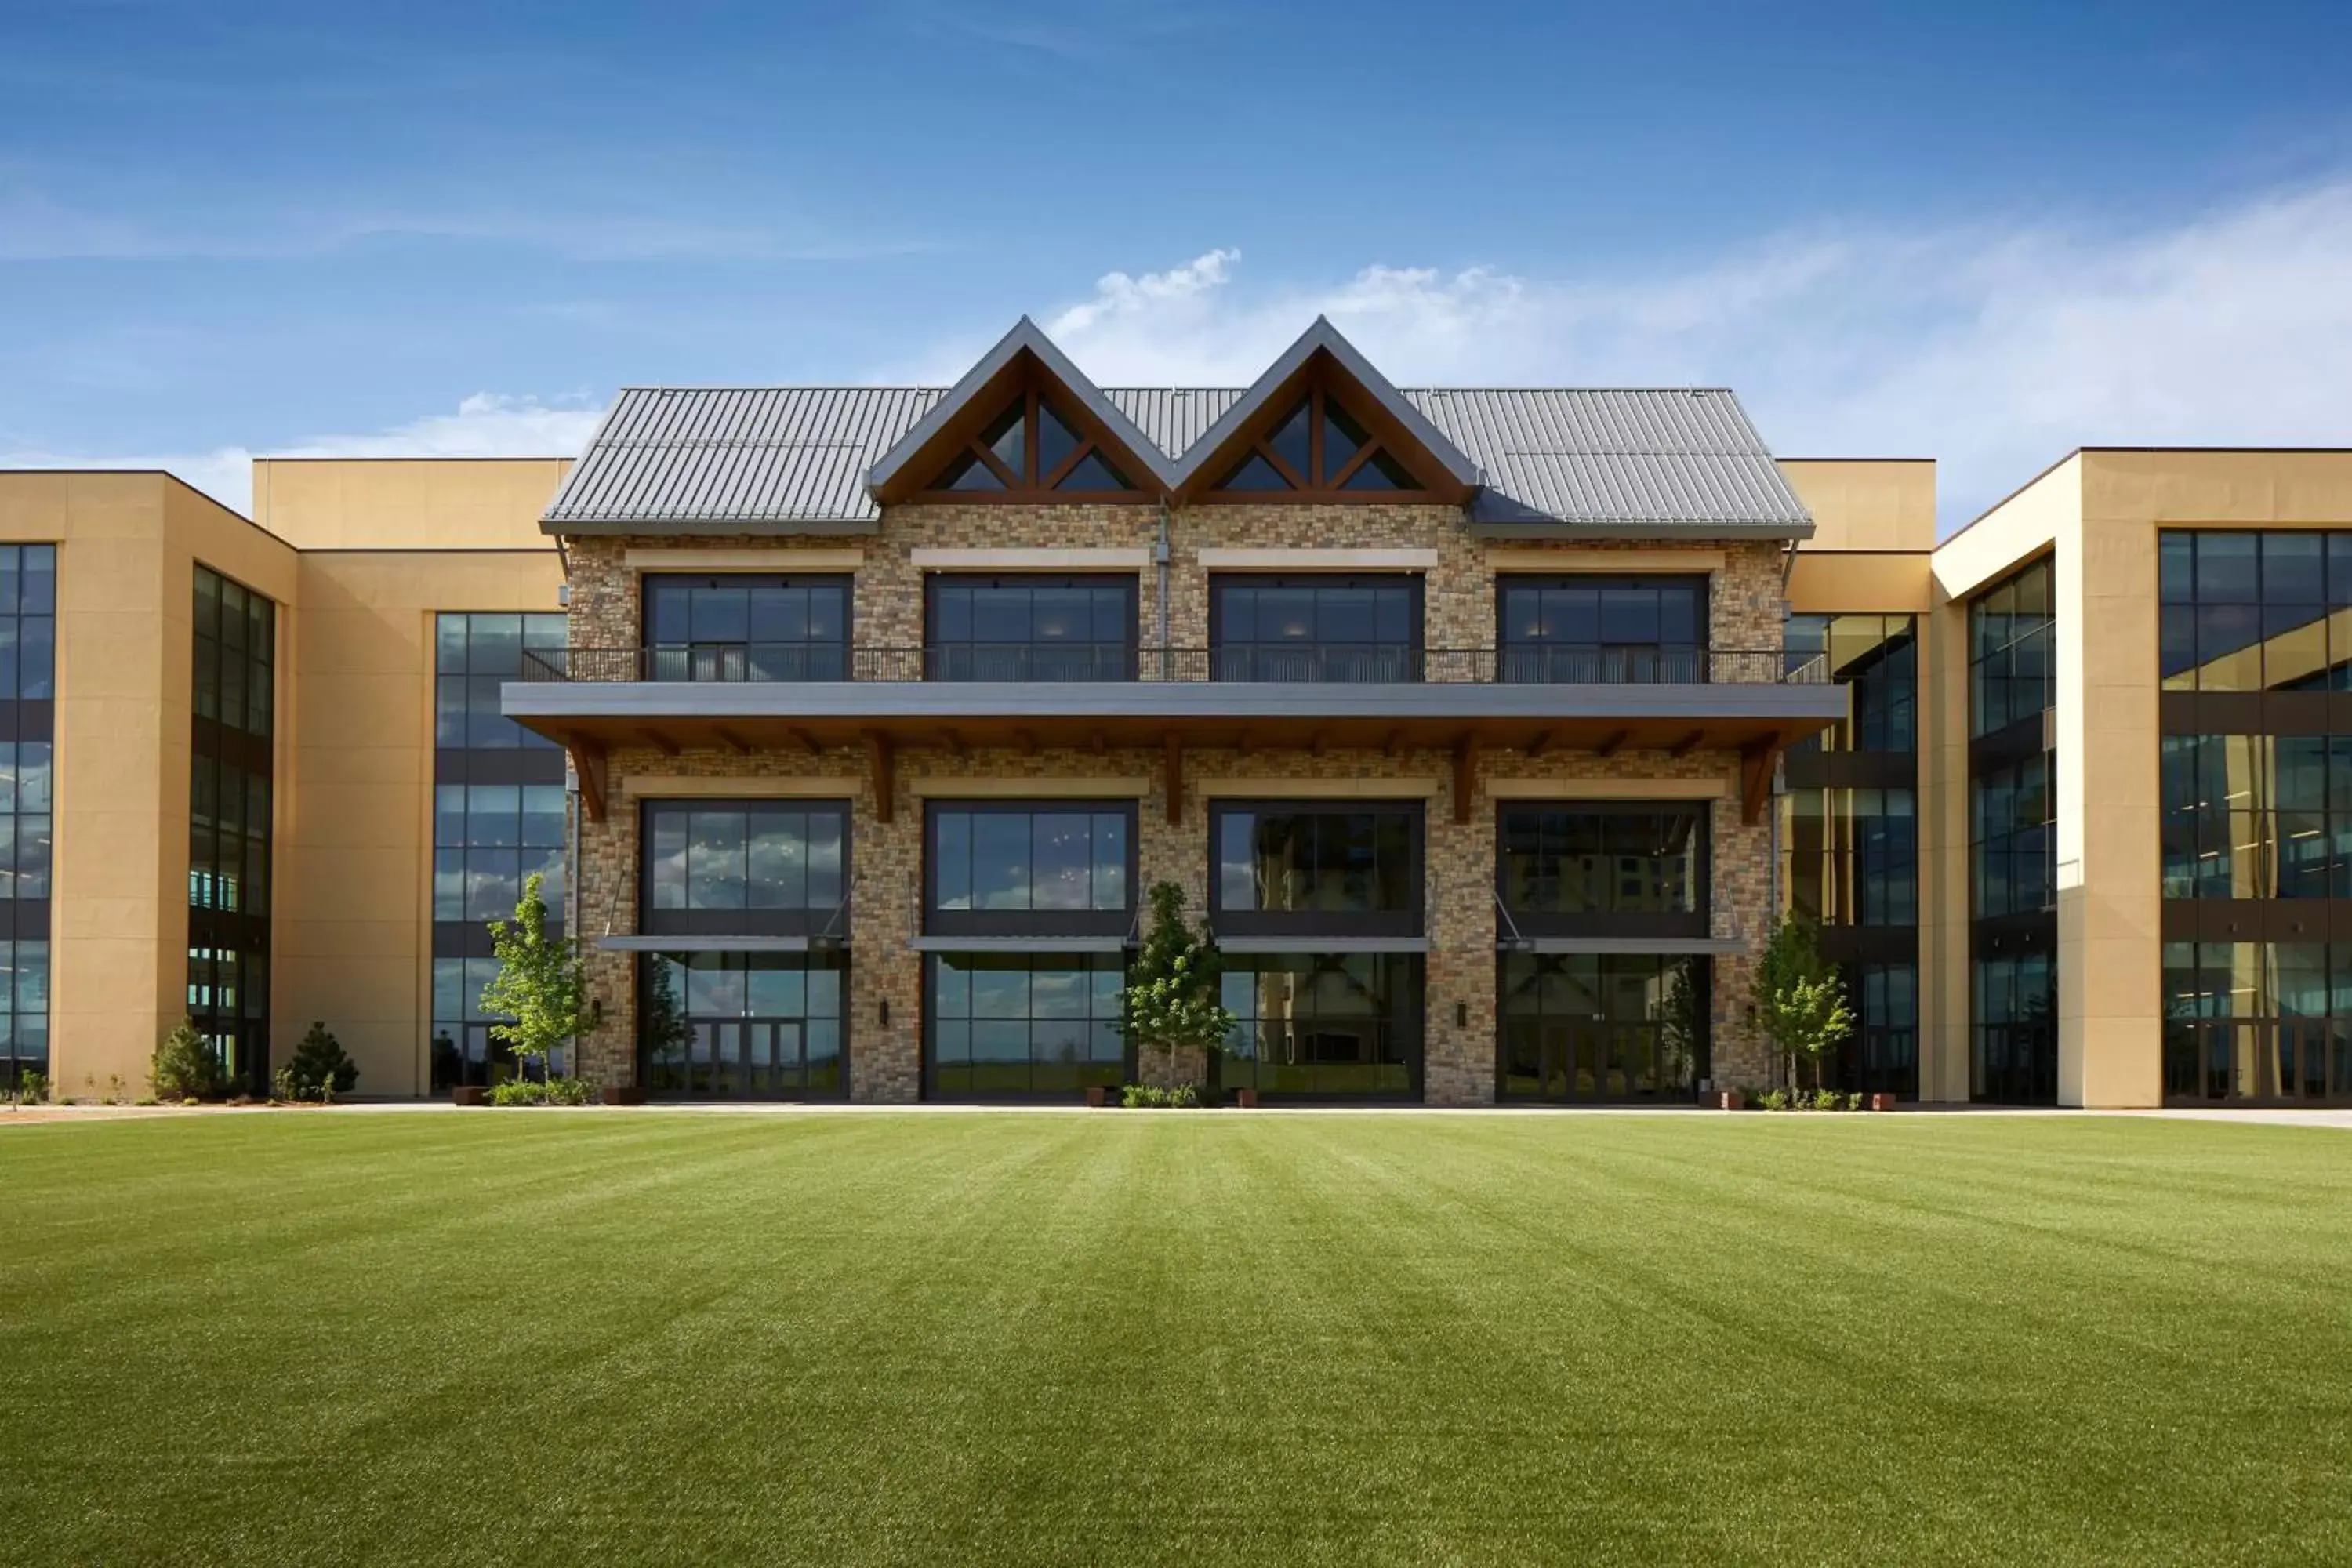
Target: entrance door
[{"x": 1614, "y": 1029}]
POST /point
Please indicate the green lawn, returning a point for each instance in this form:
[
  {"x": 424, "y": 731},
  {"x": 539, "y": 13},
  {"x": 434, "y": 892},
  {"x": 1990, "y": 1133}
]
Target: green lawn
[{"x": 520, "y": 1337}]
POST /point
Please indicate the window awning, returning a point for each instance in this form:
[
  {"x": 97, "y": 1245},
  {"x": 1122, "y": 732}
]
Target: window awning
[
  {"x": 640, "y": 943},
  {"x": 1017, "y": 944},
  {"x": 1323, "y": 943},
  {"x": 1675, "y": 945}
]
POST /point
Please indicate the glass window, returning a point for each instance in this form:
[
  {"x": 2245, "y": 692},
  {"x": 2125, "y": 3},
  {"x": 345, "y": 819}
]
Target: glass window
[
  {"x": 1876, "y": 658},
  {"x": 1602, "y": 629},
  {"x": 2015, "y": 1027},
  {"x": 1018, "y": 869},
  {"x": 1301, "y": 869},
  {"x": 1004, "y": 457},
  {"x": 1024, "y": 1023},
  {"x": 1603, "y": 1027},
  {"x": 2013, "y": 839},
  {"x": 1030, "y": 629},
  {"x": 2246, "y": 611},
  {"x": 1317, "y": 444},
  {"x": 1315, "y": 628},
  {"x": 230, "y": 770},
  {"x": 1567, "y": 869},
  {"x": 1323, "y": 1025},
  {"x": 742, "y": 1025},
  {"x": 1850, "y": 856},
  {"x": 2256, "y": 816},
  {"x": 746, "y": 627},
  {"x": 2012, "y": 664},
  {"x": 744, "y": 867}
]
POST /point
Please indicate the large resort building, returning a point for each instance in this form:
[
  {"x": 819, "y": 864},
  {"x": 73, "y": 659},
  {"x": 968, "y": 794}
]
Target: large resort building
[{"x": 1490, "y": 730}]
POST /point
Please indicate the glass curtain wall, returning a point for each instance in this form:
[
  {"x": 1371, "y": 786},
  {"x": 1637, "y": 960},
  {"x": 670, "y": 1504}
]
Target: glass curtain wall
[
  {"x": 28, "y": 607},
  {"x": 2013, "y": 840},
  {"x": 498, "y": 815},
  {"x": 1330, "y": 1003},
  {"x": 1850, "y": 839},
  {"x": 748, "y": 1005},
  {"x": 231, "y": 786},
  {"x": 1044, "y": 894}
]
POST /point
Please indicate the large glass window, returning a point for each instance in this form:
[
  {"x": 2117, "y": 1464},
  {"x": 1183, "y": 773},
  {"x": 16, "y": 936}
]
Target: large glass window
[
  {"x": 2016, "y": 1027},
  {"x": 742, "y": 1025},
  {"x": 2012, "y": 667},
  {"x": 2013, "y": 839},
  {"x": 1851, "y": 857},
  {"x": 1603, "y": 1027},
  {"x": 1299, "y": 868},
  {"x": 1315, "y": 628},
  {"x": 1019, "y": 868},
  {"x": 231, "y": 769},
  {"x": 498, "y": 814},
  {"x": 1317, "y": 444},
  {"x": 28, "y": 607},
  {"x": 1876, "y": 658},
  {"x": 745, "y": 628},
  {"x": 2257, "y": 816},
  {"x": 1323, "y": 1024},
  {"x": 2257, "y": 1021},
  {"x": 1030, "y": 629},
  {"x": 1586, "y": 629},
  {"x": 1632, "y": 868},
  {"x": 2255, "y": 611},
  {"x": 744, "y": 867},
  {"x": 1024, "y": 1023},
  {"x": 1030, "y": 446}
]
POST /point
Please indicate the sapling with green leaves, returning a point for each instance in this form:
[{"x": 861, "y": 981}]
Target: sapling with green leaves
[
  {"x": 1171, "y": 998},
  {"x": 1800, "y": 1000},
  {"x": 540, "y": 988}
]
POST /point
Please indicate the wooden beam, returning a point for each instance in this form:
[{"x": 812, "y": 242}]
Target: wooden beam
[
  {"x": 1543, "y": 742},
  {"x": 877, "y": 763},
  {"x": 588, "y": 763},
  {"x": 1173, "y": 779},
  {"x": 1756, "y": 762},
  {"x": 803, "y": 739},
  {"x": 1465, "y": 777},
  {"x": 954, "y": 741},
  {"x": 1392, "y": 743},
  {"x": 733, "y": 741},
  {"x": 1613, "y": 743},
  {"x": 1099, "y": 742},
  {"x": 659, "y": 741},
  {"x": 1315, "y": 742},
  {"x": 1688, "y": 745},
  {"x": 1028, "y": 740}
]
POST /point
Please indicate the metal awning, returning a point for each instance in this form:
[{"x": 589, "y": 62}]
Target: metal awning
[
  {"x": 1675, "y": 946},
  {"x": 1017, "y": 944},
  {"x": 715, "y": 944},
  {"x": 1323, "y": 943}
]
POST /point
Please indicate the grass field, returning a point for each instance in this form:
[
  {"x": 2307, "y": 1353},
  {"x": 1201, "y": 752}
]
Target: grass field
[{"x": 520, "y": 1337}]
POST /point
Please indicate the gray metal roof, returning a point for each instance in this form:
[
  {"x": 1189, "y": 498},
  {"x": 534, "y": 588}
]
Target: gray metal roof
[{"x": 1551, "y": 461}]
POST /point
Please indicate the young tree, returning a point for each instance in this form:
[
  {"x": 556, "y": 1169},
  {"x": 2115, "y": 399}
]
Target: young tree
[
  {"x": 1170, "y": 1001},
  {"x": 665, "y": 1028},
  {"x": 1681, "y": 1023},
  {"x": 186, "y": 1067},
  {"x": 1799, "y": 999},
  {"x": 539, "y": 984}
]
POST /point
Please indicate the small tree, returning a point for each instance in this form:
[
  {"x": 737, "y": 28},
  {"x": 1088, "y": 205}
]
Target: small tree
[
  {"x": 186, "y": 1066},
  {"x": 1170, "y": 1001},
  {"x": 320, "y": 1070},
  {"x": 667, "y": 1031},
  {"x": 540, "y": 987},
  {"x": 1681, "y": 1023},
  {"x": 1799, "y": 998}
]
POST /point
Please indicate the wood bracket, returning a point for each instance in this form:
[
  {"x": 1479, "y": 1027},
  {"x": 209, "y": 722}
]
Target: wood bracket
[
  {"x": 1392, "y": 743},
  {"x": 659, "y": 741},
  {"x": 878, "y": 763},
  {"x": 1613, "y": 743},
  {"x": 1688, "y": 745},
  {"x": 1175, "y": 780},
  {"x": 1756, "y": 762},
  {"x": 803, "y": 739},
  {"x": 1542, "y": 742},
  {"x": 1465, "y": 777},
  {"x": 588, "y": 763},
  {"x": 732, "y": 741}
]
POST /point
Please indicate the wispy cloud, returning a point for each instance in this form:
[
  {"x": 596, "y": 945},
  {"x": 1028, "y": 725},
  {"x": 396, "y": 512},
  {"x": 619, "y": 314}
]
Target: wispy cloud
[
  {"x": 485, "y": 424},
  {"x": 1994, "y": 349}
]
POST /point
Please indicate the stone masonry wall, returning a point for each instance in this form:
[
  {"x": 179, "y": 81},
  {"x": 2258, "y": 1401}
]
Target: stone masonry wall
[{"x": 886, "y": 858}]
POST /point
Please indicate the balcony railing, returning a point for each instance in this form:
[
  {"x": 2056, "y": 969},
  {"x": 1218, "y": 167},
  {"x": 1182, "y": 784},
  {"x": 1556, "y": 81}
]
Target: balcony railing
[{"x": 1320, "y": 664}]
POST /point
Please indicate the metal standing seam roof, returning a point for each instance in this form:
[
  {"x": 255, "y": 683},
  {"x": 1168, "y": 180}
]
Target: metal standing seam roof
[{"x": 795, "y": 459}]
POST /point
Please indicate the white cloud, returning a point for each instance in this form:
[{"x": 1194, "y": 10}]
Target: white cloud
[
  {"x": 485, "y": 424},
  {"x": 1993, "y": 349}
]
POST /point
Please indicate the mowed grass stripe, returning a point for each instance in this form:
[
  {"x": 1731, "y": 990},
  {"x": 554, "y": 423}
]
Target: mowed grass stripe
[{"x": 523, "y": 1338}]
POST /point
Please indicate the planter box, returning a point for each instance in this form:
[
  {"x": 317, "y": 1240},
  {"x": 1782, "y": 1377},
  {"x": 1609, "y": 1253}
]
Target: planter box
[
  {"x": 470, "y": 1094},
  {"x": 1725, "y": 1099},
  {"x": 1883, "y": 1103},
  {"x": 1097, "y": 1096},
  {"x": 622, "y": 1094},
  {"x": 1246, "y": 1099}
]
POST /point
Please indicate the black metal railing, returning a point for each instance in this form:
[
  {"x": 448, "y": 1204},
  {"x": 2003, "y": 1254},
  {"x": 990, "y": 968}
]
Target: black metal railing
[{"x": 1318, "y": 664}]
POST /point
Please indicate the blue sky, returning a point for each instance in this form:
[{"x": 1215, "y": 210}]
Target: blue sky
[{"x": 1981, "y": 233}]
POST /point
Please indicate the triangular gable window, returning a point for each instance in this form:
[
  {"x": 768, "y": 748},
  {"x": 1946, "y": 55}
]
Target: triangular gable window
[
  {"x": 1319, "y": 446},
  {"x": 1031, "y": 446}
]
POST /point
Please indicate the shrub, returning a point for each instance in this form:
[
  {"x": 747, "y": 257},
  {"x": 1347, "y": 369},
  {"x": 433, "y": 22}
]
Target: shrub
[
  {"x": 32, "y": 1087},
  {"x": 185, "y": 1067},
  {"x": 320, "y": 1069},
  {"x": 1151, "y": 1097},
  {"x": 550, "y": 1091}
]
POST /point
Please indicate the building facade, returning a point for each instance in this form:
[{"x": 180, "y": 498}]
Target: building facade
[{"x": 1490, "y": 731}]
